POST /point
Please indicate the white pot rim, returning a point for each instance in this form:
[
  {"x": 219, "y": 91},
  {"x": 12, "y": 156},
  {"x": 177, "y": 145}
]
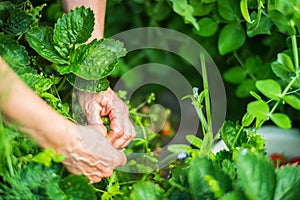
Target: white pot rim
[{"x": 277, "y": 140}]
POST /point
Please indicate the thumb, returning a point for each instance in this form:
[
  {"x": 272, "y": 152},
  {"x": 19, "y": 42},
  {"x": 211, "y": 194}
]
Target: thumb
[{"x": 100, "y": 128}]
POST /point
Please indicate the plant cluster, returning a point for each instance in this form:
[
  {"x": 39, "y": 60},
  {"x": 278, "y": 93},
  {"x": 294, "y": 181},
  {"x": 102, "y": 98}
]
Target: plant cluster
[
  {"x": 49, "y": 57},
  {"x": 245, "y": 39}
]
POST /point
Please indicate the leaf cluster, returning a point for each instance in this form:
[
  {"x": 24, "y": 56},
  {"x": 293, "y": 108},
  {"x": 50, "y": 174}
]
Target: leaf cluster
[{"x": 65, "y": 46}]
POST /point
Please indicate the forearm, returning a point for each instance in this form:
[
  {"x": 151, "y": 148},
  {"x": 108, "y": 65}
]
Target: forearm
[
  {"x": 98, "y": 7},
  {"x": 26, "y": 110}
]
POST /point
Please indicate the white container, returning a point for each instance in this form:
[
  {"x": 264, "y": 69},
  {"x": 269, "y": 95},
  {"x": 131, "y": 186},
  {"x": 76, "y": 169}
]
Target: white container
[
  {"x": 283, "y": 141},
  {"x": 277, "y": 140}
]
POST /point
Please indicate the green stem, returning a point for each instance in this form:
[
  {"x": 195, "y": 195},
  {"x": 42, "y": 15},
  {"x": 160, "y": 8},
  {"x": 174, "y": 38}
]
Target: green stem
[
  {"x": 288, "y": 87},
  {"x": 62, "y": 83},
  {"x": 294, "y": 91},
  {"x": 238, "y": 59},
  {"x": 139, "y": 114},
  {"x": 99, "y": 190},
  {"x": 237, "y": 136},
  {"x": 128, "y": 182},
  {"x": 169, "y": 191},
  {"x": 145, "y": 136},
  {"x": 243, "y": 66},
  {"x": 283, "y": 94},
  {"x": 207, "y": 97},
  {"x": 141, "y": 105},
  {"x": 202, "y": 118},
  {"x": 295, "y": 51}
]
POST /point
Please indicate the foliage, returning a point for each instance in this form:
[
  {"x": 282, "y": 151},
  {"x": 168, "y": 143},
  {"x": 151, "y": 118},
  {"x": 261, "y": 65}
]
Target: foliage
[
  {"x": 242, "y": 36},
  {"x": 253, "y": 42}
]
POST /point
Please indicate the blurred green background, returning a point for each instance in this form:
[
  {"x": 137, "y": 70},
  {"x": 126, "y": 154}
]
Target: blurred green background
[{"x": 246, "y": 57}]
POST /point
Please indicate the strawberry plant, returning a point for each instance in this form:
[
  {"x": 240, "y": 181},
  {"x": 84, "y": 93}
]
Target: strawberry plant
[{"x": 254, "y": 43}]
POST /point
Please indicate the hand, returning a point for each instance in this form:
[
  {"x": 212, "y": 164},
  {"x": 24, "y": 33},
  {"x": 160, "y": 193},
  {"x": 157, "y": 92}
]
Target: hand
[
  {"x": 90, "y": 153},
  {"x": 106, "y": 103}
]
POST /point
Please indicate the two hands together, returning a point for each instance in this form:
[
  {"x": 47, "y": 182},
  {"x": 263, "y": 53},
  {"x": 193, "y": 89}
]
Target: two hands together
[{"x": 91, "y": 150}]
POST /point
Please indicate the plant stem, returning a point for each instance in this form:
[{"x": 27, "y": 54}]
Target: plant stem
[
  {"x": 243, "y": 66},
  {"x": 144, "y": 134},
  {"x": 237, "y": 136},
  {"x": 202, "y": 118},
  {"x": 295, "y": 51},
  {"x": 283, "y": 94},
  {"x": 139, "y": 114},
  {"x": 99, "y": 190},
  {"x": 141, "y": 105},
  {"x": 62, "y": 83},
  {"x": 128, "y": 182},
  {"x": 287, "y": 88},
  {"x": 207, "y": 97}
]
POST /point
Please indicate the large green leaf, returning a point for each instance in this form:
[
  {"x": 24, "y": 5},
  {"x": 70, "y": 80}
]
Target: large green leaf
[
  {"x": 282, "y": 22},
  {"x": 281, "y": 71},
  {"x": 229, "y": 135},
  {"x": 235, "y": 75},
  {"x": 37, "y": 82},
  {"x": 88, "y": 85},
  {"x": 146, "y": 190},
  {"x": 284, "y": 14},
  {"x": 207, "y": 27},
  {"x": 194, "y": 140},
  {"x": 40, "y": 39},
  {"x": 286, "y": 60},
  {"x": 80, "y": 53},
  {"x": 14, "y": 54},
  {"x": 77, "y": 187},
  {"x": 229, "y": 10},
  {"x": 95, "y": 62},
  {"x": 233, "y": 196},
  {"x": 256, "y": 175},
  {"x": 259, "y": 27},
  {"x": 18, "y": 22},
  {"x": 199, "y": 169},
  {"x": 73, "y": 28},
  {"x": 201, "y": 8},
  {"x": 270, "y": 88},
  {"x": 292, "y": 101},
  {"x": 287, "y": 183},
  {"x": 259, "y": 109},
  {"x": 206, "y": 180},
  {"x": 231, "y": 37},
  {"x": 281, "y": 120}
]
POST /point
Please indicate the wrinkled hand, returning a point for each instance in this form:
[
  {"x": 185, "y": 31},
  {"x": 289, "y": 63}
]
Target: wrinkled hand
[
  {"x": 90, "y": 153},
  {"x": 106, "y": 103}
]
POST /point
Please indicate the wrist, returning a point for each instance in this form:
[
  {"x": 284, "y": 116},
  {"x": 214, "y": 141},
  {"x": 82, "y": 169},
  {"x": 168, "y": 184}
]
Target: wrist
[{"x": 61, "y": 137}]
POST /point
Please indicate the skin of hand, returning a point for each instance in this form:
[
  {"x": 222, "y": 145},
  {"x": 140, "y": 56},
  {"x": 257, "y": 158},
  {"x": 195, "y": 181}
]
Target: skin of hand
[
  {"x": 87, "y": 152},
  {"x": 90, "y": 154},
  {"x": 105, "y": 103}
]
